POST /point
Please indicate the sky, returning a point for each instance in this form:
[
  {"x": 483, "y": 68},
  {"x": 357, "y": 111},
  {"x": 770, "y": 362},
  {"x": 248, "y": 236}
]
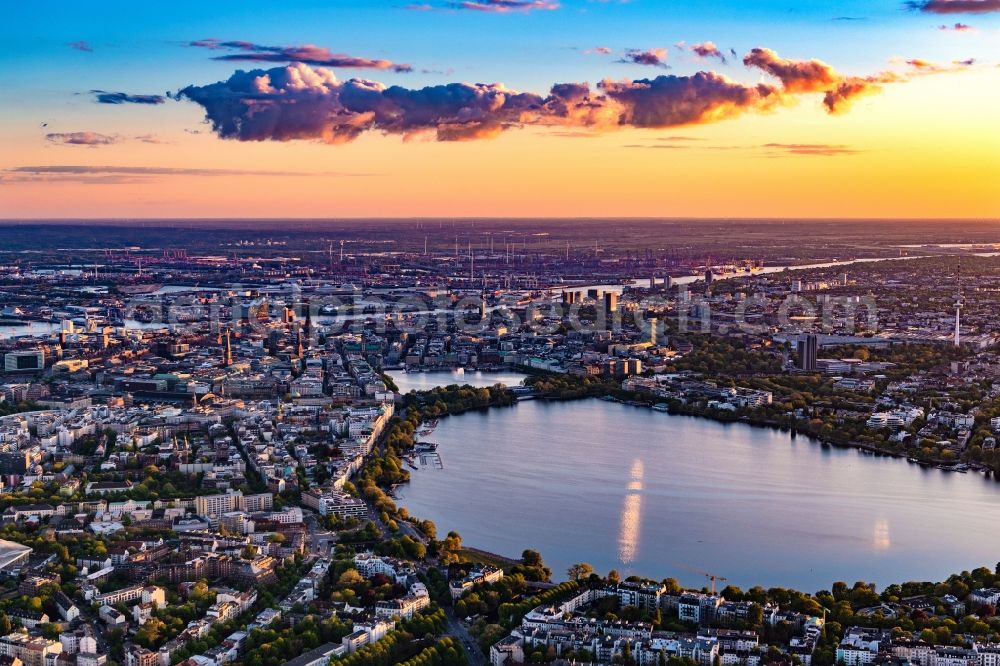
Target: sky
[{"x": 495, "y": 108}]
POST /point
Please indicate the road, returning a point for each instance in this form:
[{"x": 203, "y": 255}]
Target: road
[
  {"x": 320, "y": 540},
  {"x": 457, "y": 630}
]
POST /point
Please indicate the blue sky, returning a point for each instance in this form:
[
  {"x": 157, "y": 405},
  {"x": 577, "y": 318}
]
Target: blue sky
[
  {"x": 880, "y": 52},
  {"x": 140, "y": 45}
]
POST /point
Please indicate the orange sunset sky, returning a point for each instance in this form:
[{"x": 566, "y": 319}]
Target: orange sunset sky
[{"x": 749, "y": 109}]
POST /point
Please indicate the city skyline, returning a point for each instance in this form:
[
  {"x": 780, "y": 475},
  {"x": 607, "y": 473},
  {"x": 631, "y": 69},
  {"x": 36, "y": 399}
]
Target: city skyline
[{"x": 502, "y": 108}]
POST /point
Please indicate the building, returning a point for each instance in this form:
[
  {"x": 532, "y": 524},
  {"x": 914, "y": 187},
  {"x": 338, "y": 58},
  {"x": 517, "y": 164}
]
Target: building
[
  {"x": 33, "y": 651},
  {"x": 404, "y": 608},
  {"x": 140, "y": 656},
  {"x": 477, "y": 575},
  {"x": 214, "y": 506},
  {"x": 24, "y": 361},
  {"x": 67, "y": 609},
  {"x": 12, "y": 555},
  {"x": 610, "y": 302},
  {"x": 807, "y": 348},
  {"x": 641, "y": 595},
  {"x": 507, "y": 650},
  {"x": 320, "y": 656},
  {"x": 338, "y": 504}
]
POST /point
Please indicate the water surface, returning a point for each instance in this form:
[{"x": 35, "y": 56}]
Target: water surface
[
  {"x": 658, "y": 495},
  {"x": 424, "y": 381}
]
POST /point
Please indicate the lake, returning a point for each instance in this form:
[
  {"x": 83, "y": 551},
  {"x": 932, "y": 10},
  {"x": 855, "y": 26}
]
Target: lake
[
  {"x": 424, "y": 381},
  {"x": 658, "y": 495}
]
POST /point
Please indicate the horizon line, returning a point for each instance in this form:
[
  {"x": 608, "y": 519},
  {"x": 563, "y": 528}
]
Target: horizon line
[{"x": 499, "y": 218}]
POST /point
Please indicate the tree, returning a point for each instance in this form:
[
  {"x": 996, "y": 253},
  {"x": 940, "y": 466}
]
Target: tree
[
  {"x": 580, "y": 570},
  {"x": 350, "y": 577},
  {"x": 532, "y": 558}
]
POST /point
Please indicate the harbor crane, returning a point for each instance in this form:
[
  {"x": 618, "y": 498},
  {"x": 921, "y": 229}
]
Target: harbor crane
[{"x": 710, "y": 576}]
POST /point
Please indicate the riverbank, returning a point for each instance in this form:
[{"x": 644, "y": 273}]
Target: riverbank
[{"x": 581, "y": 388}]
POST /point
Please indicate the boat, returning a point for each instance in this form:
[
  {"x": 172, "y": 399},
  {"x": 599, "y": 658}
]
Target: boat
[{"x": 661, "y": 407}]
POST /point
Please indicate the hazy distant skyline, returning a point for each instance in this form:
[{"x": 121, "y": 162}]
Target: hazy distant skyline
[{"x": 723, "y": 108}]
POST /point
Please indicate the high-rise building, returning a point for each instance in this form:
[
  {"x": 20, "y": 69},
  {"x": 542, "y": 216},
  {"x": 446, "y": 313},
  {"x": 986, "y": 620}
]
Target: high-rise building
[
  {"x": 654, "y": 333},
  {"x": 308, "y": 326},
  {"x": 610, "y": 302},
  {"x": 709, "y": 276},
  {"x": 807, "y": 348}
]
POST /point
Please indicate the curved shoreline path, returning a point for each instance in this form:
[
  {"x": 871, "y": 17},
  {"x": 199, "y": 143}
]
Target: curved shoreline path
[{"x": 658, "y": 495}]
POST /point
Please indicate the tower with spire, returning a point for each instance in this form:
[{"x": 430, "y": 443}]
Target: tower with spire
[
  {"x": 959, "y": 298},
  {"x": 227, "y": 357}
]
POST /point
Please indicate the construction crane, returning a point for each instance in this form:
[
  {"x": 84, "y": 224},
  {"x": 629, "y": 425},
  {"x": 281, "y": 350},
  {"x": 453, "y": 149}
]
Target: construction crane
[{"x": 710, "y": 576}]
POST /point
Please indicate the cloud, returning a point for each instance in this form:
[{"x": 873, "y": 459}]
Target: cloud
[
  {"x": 118, "y": 175},
  {"x": 81, "y": 138},
  {"x": 80, "y": 45},
  {"x": 809, "y": 76},
  {"x": 958, "y": 27},
  {"x": 307, "y": 53},
  {"x": 769, "y": 149},
  {"x": 955, "y": 6},
  {"x": 104, "y": 97},
  {"x": 919, "y": 66},
  {"x": 652, "y": 57},
  {"x": 150, "y": 138},
  {"x": 797, "y": 76},
  {"x": 300, "y": 102},
  {"x": 504, "y": 6},
  {"x": 817, "y": 149},
  {"x": 708, "y": 50},
  {"x": 599, "y": 50}
]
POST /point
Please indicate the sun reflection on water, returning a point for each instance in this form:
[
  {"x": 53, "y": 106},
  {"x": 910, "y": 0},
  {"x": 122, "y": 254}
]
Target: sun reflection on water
[{"x": 630, "y": 523}]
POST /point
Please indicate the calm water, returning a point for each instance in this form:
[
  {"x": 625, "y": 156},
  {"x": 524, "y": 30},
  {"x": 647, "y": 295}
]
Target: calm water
[
  {"x": 658, "y": 495},
  {"x": 423, "y": 381}
]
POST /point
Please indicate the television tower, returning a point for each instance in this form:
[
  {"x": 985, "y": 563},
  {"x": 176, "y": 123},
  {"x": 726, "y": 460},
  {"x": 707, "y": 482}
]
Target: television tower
[
  {"x": 958, "y": 307},
  {"x": 227, "y": 355}
]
